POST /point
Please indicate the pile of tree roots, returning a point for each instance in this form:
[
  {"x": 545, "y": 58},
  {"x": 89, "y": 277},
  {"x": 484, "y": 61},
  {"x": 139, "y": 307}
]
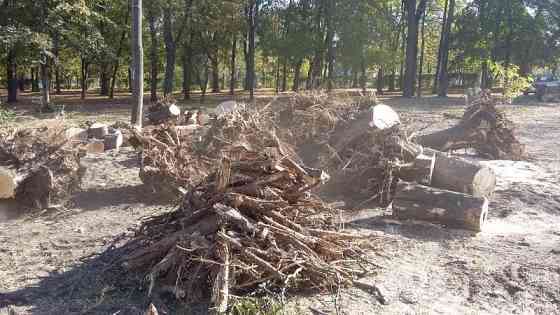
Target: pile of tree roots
[
  {"x": 483, "y": 128},
  {"x": 252, "y": 221},
  {"x": 181, "y": 156},
  {"x": 39, "y": 167}
]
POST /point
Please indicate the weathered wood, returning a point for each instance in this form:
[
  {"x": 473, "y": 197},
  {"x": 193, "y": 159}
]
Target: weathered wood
[
  {"x": 414, "y": 201},
  {"x": 460, "y": 175},
  {"x": 8, "y": 182},
  {"x": 421, "y": 171}
]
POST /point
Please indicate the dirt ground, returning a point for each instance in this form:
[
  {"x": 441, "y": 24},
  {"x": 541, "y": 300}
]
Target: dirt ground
[{"x": 57, "y": 262}]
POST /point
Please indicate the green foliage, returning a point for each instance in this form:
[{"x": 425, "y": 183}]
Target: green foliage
[
  {"x": 513, "y": 83},
  {"x": 6, "y": 115},
  {"x": 257, "y": 306}
]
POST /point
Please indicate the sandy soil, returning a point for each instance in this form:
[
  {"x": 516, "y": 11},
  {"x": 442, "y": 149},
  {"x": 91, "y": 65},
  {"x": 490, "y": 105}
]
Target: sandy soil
[{"x": 56, "y": 262}]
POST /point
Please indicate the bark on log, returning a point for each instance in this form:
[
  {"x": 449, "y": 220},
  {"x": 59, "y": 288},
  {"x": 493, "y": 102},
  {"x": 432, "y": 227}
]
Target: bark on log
[
  {"x": 98, "y": 131},
  {"x": 421, "y": 171},
  {"x": 460, "y": 175},
  {"x": 413, "y": 201}
]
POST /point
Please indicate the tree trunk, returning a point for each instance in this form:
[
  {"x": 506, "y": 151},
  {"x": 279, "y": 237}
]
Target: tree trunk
[
  {"x": 117, "y": 64},
  {"x": 34, "y": 80},
  {"x": 104, "y": 80},
  {"x": 46, "y": 96},
  {"x": 130, "y": 89},
  {"x": 187, "y": 71},
  {"x": 285, "y": 75},
  {"x": 380, "y": 80},
  {"x": 232, "y": 78},
  {"x": 138, "y": 64},
  {"x": 363, "y": 79},
  {"x": 422, "y": 49},
  {"x": 438, "y": 66},
  {"x": 297, "y": 75},
  {"x": 417, "y": 202},
  {"x": 215, "y": 74},
  {"x": 11, "y": 71},
  {"x": 253, "y": 12},
  {"x": 413, "y": 18},
  {"x": 247, "y": 62},
  {"x": 84, "y": 78},
  {"x": 154, "y": 60},
  {"x": 170, "y": 52},
  {"x": 444, "y": 71},
  {"x": 56, "y": 49}
]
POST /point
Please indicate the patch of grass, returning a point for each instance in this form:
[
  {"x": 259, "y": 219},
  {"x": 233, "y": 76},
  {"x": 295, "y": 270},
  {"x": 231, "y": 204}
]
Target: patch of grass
[
  {"x": 257, "y": 306},
  {"x": 6, "y": 115}
]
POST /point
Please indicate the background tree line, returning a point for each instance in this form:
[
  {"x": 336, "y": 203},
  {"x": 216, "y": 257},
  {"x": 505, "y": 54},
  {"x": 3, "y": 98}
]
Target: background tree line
[{"x": 405, "y": 45}]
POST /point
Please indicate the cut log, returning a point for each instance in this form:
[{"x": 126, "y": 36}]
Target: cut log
[
  {"x": 457, "y": 210},
  {"x": 98, "y": 131},
  {"x": 113, "y": 140},
  {"x": 383, "y": 117},
  {"x": 164, "y": 113},
  {"x": 421, "y": 171},
  {"x": 8, "y": 183},
  {"x": 460, "y": 175}
]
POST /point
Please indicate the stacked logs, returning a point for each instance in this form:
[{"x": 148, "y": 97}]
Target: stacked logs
[
  {"x": 39, "y": 167},
  {"x": 446, "y": 190},
  {"x": 252, "y": 221}
]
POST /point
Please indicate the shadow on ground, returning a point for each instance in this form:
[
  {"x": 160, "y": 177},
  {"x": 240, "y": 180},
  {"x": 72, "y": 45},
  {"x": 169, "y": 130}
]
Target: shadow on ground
[
  {"x": 98, "y": 285},
  {"x": 96, "y": 198}
]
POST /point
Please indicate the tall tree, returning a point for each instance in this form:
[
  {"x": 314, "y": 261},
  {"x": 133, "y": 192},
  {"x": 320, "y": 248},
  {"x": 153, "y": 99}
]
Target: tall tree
[
  {"x": 252, "y": 15},
  {"x": 414, "y": 14},
  {"x": 443, "y": 75},
  {"x": 138, "y": 64}
]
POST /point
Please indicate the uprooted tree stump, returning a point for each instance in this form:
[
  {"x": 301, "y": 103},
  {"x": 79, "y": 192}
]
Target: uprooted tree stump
[
  {"x": 483, "y": 128},
  {"x": 453, "y": 209},
  {"x": 164, "y": 111},
  {"x": 38, "y": 167}
]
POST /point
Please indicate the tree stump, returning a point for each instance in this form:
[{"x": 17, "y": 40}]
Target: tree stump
[{"x": 452, "y": 209}]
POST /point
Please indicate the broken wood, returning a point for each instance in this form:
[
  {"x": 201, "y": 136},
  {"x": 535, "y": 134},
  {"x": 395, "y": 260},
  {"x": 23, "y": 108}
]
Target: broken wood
[
  {"x": 418, "y": 202},
  {"x": 420, "y": 171}
]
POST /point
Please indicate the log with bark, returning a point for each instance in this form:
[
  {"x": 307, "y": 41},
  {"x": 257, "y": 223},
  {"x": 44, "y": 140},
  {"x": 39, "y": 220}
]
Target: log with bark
[
  {"x": 460, "y": 175},
  {"x": 39, "y": 167},
  {"x": 483, "y": 128},
  {"x": 418, "y": 202}
]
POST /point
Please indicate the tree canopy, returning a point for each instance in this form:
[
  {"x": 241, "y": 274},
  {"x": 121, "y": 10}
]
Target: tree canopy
[{"x": 282, "y": 44}]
